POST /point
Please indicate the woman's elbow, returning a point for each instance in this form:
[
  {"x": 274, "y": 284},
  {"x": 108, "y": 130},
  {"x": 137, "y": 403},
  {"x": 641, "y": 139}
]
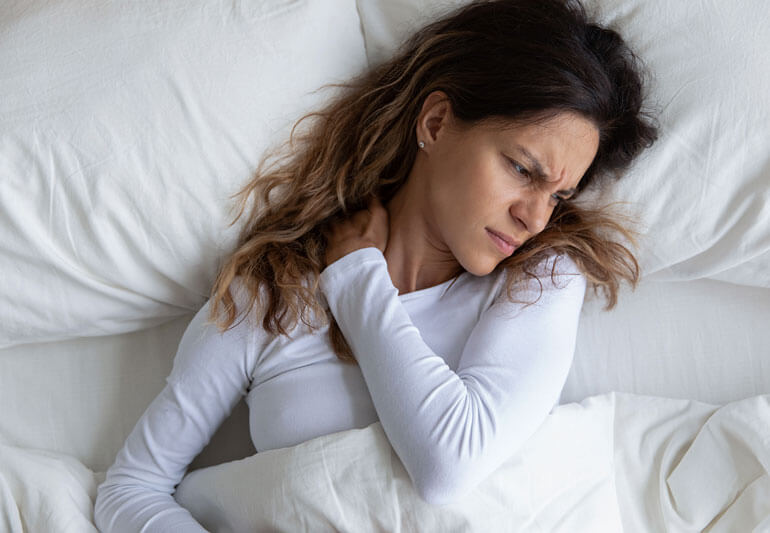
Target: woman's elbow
[
  {"x": 102, "y": 508},
  {"x": 443, "y": 486}
]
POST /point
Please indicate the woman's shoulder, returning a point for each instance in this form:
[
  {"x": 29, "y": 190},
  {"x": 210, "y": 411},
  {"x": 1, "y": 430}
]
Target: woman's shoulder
[
  {"x": 556, "y": 264},
  {"x": 246, "y": 323},
  {"x": 552, "y": 272},
  {"x": 252, "y": 309},
  {"x": 249, "y": 297}
]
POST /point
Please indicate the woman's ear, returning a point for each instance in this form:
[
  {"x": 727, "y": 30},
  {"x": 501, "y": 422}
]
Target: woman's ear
[{"x": 434, "y": 119}]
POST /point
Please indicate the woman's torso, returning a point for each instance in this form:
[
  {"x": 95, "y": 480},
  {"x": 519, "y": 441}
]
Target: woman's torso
[{"x": 301, "y": 390}]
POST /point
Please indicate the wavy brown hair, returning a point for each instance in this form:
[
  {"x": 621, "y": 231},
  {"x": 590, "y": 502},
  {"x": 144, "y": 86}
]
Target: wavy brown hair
[{"x": 498, "y": 61}]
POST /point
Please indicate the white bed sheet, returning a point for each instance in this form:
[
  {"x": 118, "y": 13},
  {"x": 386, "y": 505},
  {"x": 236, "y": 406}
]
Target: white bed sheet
[
  {"x": 83, "y": 396},
  {"x": 703, "y": 340}
]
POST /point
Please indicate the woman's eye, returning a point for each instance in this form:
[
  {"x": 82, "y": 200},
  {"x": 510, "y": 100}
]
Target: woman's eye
[
  {"x": 520, "y": 169},
  {"x": 556, "y": 199}
]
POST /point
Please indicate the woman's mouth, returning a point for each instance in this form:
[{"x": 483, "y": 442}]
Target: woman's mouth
[{"x": 503, "y": 242}]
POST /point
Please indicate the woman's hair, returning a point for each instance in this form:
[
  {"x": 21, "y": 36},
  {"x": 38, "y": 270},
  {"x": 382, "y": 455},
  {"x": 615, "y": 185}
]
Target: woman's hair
[{"x": 499, "y": 61}]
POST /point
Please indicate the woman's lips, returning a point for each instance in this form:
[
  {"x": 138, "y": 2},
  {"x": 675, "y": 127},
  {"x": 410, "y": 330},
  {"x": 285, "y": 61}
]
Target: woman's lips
[{"x": 503, "y": 242}]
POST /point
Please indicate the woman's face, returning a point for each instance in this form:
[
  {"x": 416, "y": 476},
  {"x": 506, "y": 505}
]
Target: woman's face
[{"x": 490, "y": 189}]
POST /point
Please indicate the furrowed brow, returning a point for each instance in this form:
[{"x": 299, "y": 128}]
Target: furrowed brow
[
  {"x": 538, "y": 168},
  {"x": 540, "y": 173}
]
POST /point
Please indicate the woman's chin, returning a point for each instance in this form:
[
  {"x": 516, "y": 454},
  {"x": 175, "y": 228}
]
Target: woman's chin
[{"x": 481, "y": 266}]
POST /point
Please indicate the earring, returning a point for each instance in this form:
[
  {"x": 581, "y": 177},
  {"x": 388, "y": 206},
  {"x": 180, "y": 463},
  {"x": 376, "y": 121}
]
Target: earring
[{"x": 421, "y": 144}]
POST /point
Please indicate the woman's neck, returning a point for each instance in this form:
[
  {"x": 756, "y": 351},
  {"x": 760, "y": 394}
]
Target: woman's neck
[{"x": 417, "y": 258}]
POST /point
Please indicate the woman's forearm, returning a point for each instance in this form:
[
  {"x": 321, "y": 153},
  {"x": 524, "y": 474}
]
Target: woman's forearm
[{"x": 449, "y": 428}]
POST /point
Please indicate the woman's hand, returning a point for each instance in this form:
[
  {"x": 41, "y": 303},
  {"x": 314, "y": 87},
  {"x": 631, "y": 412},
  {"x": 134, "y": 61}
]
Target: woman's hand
[{"x": 365, "y": 228}]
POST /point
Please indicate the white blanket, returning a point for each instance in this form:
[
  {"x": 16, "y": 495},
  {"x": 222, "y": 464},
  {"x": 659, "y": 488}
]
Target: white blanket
[
  {"x": 610, "y": 463},
  {"x": 678, "y": 466},
  {"x": 684, "y": 466},
  {"x": 45, "y": 491},
  {"x": 353, "y": 481}
]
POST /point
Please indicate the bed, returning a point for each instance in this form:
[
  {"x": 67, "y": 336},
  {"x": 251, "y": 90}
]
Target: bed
[{"x": 126, "y": 126}]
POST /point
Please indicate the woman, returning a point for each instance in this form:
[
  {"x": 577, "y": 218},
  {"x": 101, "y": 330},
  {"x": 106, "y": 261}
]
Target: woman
[{"x": 424, "y": 229}]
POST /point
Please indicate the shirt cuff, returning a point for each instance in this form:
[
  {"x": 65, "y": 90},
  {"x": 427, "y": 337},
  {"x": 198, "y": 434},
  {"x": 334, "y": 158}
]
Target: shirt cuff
[{"x": 352, "y": 261}]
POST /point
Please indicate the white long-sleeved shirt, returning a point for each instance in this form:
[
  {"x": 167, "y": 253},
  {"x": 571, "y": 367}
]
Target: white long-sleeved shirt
[{"x": 458, "y": 375}]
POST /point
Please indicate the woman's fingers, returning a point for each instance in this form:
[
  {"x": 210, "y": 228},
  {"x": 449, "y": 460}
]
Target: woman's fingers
[
  {"x": 364, "y": 228},
  {"x": 377, "y": 225}
]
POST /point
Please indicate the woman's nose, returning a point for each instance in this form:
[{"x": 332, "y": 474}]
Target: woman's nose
[{"x": 533, "y": 212}]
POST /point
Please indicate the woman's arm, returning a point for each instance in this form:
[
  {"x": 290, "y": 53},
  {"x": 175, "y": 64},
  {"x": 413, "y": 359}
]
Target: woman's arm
[
  {"x": 452, "y": 429},
  {"x": 211, "y": 374}
]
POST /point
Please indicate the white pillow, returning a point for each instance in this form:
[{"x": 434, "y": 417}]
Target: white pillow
[
  {"x": 703, "y": 191},
  {"x": 354, "y": 481},
  {"x": 124, "y": 127}
]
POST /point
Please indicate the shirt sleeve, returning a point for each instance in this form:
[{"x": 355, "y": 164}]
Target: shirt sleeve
[
  {"x": 211, "y": 373},
  {"x": 452, "y": 429}
]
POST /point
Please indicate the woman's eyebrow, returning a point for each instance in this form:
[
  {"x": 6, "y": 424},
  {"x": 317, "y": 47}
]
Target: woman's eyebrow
[{"x": 538, "y": 169}]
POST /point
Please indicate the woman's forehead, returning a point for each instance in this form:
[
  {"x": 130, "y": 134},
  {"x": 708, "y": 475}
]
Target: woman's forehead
[
  {"x": 541, "y": 123},
  {"x": 563, "y": 145}
]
